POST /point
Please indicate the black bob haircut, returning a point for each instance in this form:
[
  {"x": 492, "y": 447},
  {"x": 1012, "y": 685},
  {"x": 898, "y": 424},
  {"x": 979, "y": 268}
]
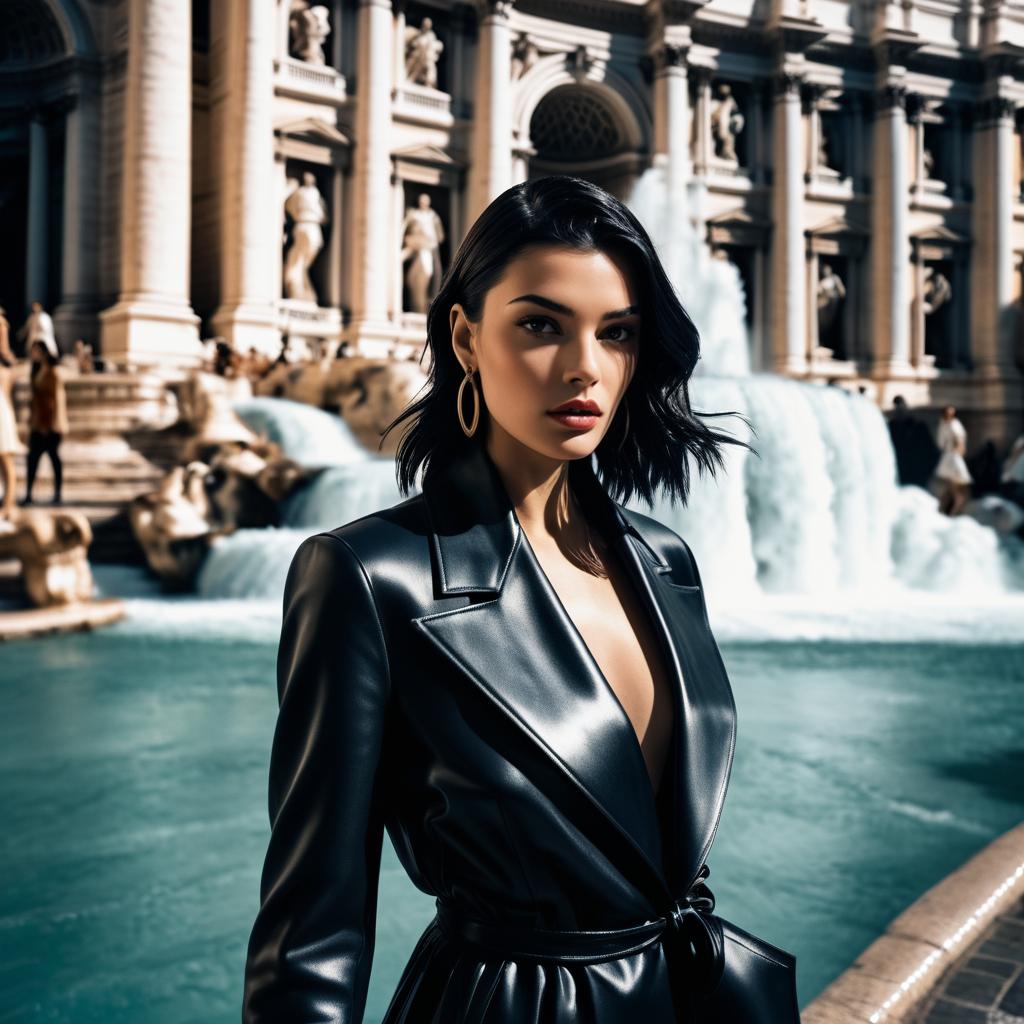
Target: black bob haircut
[{"x": 664, "y": 433}]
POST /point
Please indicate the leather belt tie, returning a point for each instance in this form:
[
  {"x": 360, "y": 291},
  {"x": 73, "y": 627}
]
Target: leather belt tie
[
  {"x": 687, "y": 931},
  {"x": 696, "y": 934}
]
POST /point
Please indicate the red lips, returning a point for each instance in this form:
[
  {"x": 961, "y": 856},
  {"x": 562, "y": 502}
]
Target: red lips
[{"x": 578, "y": 405}]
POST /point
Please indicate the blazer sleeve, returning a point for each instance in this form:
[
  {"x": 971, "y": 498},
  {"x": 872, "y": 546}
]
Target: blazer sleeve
[{"x": 311, "y": 946}]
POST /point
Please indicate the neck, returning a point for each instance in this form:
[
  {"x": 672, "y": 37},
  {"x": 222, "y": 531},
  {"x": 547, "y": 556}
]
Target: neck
[{"x": 544, "y": 503}]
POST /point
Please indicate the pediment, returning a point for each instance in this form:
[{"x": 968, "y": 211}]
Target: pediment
[
  {"x": 835, "y": 226},
  {"x": 941, "y": 234},
  {"x": 738, "y": 218},
  {"x": 425, "y": 154},
  {"x": 312, "y": 129}
]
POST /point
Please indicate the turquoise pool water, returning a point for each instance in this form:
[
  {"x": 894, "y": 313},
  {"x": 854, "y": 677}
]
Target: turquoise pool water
[{"x": 133, "y": 781}]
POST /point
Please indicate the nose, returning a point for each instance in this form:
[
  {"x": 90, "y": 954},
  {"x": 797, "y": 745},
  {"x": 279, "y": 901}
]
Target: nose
[{"x": 581, "y": 358}]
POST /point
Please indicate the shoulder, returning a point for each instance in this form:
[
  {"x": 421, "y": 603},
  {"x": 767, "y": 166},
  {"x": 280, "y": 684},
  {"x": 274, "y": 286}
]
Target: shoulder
[
  {"x": 373, "y": 542},
  {"x": 669, "y": 548}
]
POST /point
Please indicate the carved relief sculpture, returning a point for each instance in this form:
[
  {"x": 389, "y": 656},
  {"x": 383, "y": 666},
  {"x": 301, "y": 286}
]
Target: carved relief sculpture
[
  {"x": 422, "y": 51},
  {"x": 831, "y": 292},
  {"x": 937, "y": 290},
  {"x": 524, "y": 55},
  {"x": 422, "y": 235},
  {"x": 308, "y": 212},
  {"x": 726, "y": 123}
]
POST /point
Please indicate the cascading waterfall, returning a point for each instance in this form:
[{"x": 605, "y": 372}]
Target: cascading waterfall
[
  {"x": 353, "y": 482},
  {"x": 818, "y": 511}
]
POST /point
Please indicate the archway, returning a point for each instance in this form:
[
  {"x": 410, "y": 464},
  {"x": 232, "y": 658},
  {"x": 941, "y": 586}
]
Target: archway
[
  {"x": 31, "y": 159},
  {"x": 49, "y": 111},
  {"x": 576, "y": 129}
]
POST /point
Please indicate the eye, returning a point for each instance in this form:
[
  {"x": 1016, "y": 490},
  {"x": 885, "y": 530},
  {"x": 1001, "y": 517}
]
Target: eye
[
  {"x": 630, "y": 332},
  {"x": 528, "y": 320}
]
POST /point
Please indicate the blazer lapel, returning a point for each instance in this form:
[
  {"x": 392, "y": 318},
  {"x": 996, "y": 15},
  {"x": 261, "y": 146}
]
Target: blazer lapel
[
  {"x": 525, "y": 655},
  {"x": 704, "y": 732}
]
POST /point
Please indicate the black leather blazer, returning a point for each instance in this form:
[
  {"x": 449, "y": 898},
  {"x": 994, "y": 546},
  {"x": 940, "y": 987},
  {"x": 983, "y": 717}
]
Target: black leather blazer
[{"x": 432, "y": 684}]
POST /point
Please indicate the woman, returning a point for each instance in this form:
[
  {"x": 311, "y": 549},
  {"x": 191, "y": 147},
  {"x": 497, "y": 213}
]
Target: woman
[
  {"x": 954, "y": 477},
  {"x": 513, "y": 674},
  {"x": 48, "y": 417},
  {"x": 9, "y": 443}
]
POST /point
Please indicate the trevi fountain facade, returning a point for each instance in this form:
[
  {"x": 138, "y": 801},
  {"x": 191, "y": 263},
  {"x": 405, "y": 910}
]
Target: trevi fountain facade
[{"x": 835, "y": 189}]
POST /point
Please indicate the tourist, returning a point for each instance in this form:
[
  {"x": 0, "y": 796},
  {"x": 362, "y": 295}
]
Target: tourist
[
  {"x": 208, "y": 359},
  {"x": 227, "y": 361},
  {"x": 255, "y": 365},
  {"x": 38, "y": 326},
  {"x": 952, "y": 473},
  {"x": 915, "y": 451},
  {"x": 10, "y": 446},
  {"x": 48, "y": 417},
  {"x": 84, "y": 357}
]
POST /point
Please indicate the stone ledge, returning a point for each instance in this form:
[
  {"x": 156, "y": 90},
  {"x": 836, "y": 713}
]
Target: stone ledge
[
  {"x": 65, "y": 618},
  {"x": 889, "y": 980}
]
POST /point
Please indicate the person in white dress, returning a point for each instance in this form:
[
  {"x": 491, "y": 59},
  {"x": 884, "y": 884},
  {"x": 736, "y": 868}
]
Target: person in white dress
[
  {"x": 38, "y": 326},
  {"x": 10, "y": 445},
  {"x": 954, "y": 477}
]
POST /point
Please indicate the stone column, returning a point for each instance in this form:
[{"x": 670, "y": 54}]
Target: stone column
[
  {"x": 491, "y": 171},
  {"x": 993, "y": 311},
  {"x": 398, "y": 33},
  {"x": 283, "y": 29},
  {"x": 995, "y": 307},
  {"x": 890, "y": 244},
  {"x": 75, "y": 317},
  {"x": 152, "y": 322},
  {"x": 241, "y": 102},
  {"x": 672, "y": 115},
  {"x": 370, "y": 332},
  {"x": 789, "y": 270},
  {"x": 397, "y": 216},
  {"x": 37, "y": 248},
  {"x": 705, "y": 146}
]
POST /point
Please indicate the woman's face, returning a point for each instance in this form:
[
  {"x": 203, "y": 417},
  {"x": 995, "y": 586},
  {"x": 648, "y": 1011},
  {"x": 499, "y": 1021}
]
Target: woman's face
[{"x": 559, "y": 325}]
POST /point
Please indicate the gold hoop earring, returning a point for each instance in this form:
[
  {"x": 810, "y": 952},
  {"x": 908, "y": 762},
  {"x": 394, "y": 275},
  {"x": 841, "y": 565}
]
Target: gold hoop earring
[
  {"x": 468, "y": 379},
  {"x": 625, "y": 430}
]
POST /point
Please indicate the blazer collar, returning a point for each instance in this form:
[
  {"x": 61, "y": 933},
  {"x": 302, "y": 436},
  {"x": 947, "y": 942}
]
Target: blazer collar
[{"x": 475, "y": 528}]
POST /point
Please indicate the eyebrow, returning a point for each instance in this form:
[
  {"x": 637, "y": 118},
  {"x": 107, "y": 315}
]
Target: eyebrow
[{"x": 557, "y": 307}]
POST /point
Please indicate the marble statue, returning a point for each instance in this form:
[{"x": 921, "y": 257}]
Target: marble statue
[
  {"x": 422, "y": 51},
  {"x": 422, "y": 235},
  {"x": 937, "y": 290},
  {"x": 370, "y": 393},
  {"x": 927, "y": 163},
  {"x": 52, "y": 547},
  {"x": 308, "y": 27},
  {"x": 831, "y": 292},
  {"x": 308, "y": 212},
  {"x": 726, "y": 123},
  {"x": 238, "y": 486},
  {"x": 524, "y": 55}
]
